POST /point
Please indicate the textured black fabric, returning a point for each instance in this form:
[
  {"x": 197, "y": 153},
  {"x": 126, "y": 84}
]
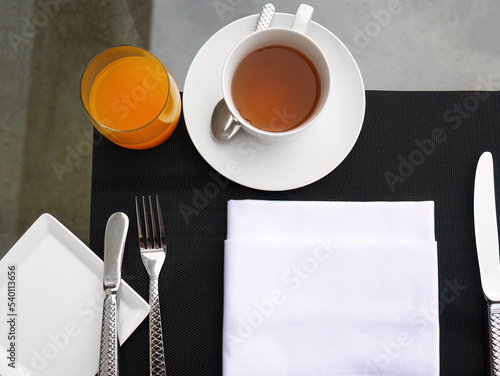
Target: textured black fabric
[{"x": 413, "y": 146}]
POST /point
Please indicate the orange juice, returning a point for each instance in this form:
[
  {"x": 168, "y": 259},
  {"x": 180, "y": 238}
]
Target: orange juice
[{"x": 133, "y": 101}]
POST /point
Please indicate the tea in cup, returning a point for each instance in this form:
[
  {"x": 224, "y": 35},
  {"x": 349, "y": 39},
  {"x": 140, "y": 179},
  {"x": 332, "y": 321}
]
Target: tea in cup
[{"x": 276, "y": 81}]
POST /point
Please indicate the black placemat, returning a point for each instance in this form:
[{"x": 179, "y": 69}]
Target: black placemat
[{"x": 413, "y": 146}]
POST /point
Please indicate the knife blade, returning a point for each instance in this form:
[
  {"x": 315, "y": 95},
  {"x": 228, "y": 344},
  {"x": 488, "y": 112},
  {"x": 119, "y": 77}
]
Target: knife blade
[
  {"x": 114, "y": 244},
  {"x": 486, "y": 231}
]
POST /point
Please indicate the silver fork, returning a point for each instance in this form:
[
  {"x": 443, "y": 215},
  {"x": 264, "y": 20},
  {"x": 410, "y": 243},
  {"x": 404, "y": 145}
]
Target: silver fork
[{"x": 153, "y": 251}]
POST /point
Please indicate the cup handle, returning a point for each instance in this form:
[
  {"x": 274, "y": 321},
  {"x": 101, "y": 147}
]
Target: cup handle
[{"x": 302, "y": 18}]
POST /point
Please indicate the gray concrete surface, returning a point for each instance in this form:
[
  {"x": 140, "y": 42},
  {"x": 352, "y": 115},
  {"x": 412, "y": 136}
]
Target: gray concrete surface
[{"x": 398, "y": 44}]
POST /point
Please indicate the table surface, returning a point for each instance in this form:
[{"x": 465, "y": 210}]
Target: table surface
[
  {"x": 45, "y": 150},
  {"x": 45, "y": 161},
  {"x": 419, "y": 150}
]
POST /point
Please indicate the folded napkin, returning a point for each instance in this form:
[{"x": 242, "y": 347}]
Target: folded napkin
[{"x": 330, "y": 288}]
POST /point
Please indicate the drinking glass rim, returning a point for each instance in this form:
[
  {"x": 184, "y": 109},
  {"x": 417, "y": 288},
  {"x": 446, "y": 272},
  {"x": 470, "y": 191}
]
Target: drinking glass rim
[{"x": 127, "y": 130}]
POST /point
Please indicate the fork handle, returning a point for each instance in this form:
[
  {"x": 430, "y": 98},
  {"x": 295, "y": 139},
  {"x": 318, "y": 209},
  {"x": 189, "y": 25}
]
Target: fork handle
[
  {"x": 108, "y": 358},
  {"x": 156, "y": 352}
]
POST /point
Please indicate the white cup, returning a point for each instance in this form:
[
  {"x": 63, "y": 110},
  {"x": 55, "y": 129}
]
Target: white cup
[{"x": 294, "y": 38}]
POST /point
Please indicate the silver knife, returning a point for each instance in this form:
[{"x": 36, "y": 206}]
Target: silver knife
[
  {"x": 486, "y": 230},
  {"x": 114, "y": 244}
]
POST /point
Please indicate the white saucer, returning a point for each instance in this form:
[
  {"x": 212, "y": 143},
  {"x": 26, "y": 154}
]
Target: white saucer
[
  {"x": 51, "y": 288},
  {"x": 279, "y": 165}
]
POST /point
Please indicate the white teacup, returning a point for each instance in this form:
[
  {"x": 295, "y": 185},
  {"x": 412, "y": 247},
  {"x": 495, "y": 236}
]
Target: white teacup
[{"x": 293, "y": 38}]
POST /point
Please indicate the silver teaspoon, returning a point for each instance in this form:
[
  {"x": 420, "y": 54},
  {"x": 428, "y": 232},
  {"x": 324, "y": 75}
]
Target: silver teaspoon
[{"x": 224, "y": 125}]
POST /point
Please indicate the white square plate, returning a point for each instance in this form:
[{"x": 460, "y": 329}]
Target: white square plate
[{"x": 51, "y": 299}]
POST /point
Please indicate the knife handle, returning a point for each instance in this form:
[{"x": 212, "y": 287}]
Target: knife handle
[
  {"x": 494, "y": 331},
  {"x": 108, "y": 358},
  {"x": 156, "y": 352}
]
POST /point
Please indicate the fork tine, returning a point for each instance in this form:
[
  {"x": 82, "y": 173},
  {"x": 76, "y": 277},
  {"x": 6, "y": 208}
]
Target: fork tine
[
  {"x": 139, "y": 227},
  {"x": 160, "y": 223},
  {"x": 146, "y": 224},
  {"x": 153, "y": 224}
]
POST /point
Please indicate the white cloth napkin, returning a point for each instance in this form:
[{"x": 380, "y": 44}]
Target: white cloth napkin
[{"x": 330, "y": 288}]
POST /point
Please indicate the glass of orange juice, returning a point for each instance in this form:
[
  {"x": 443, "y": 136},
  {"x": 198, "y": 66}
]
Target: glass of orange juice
[{"x": 130, "y": 97}]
